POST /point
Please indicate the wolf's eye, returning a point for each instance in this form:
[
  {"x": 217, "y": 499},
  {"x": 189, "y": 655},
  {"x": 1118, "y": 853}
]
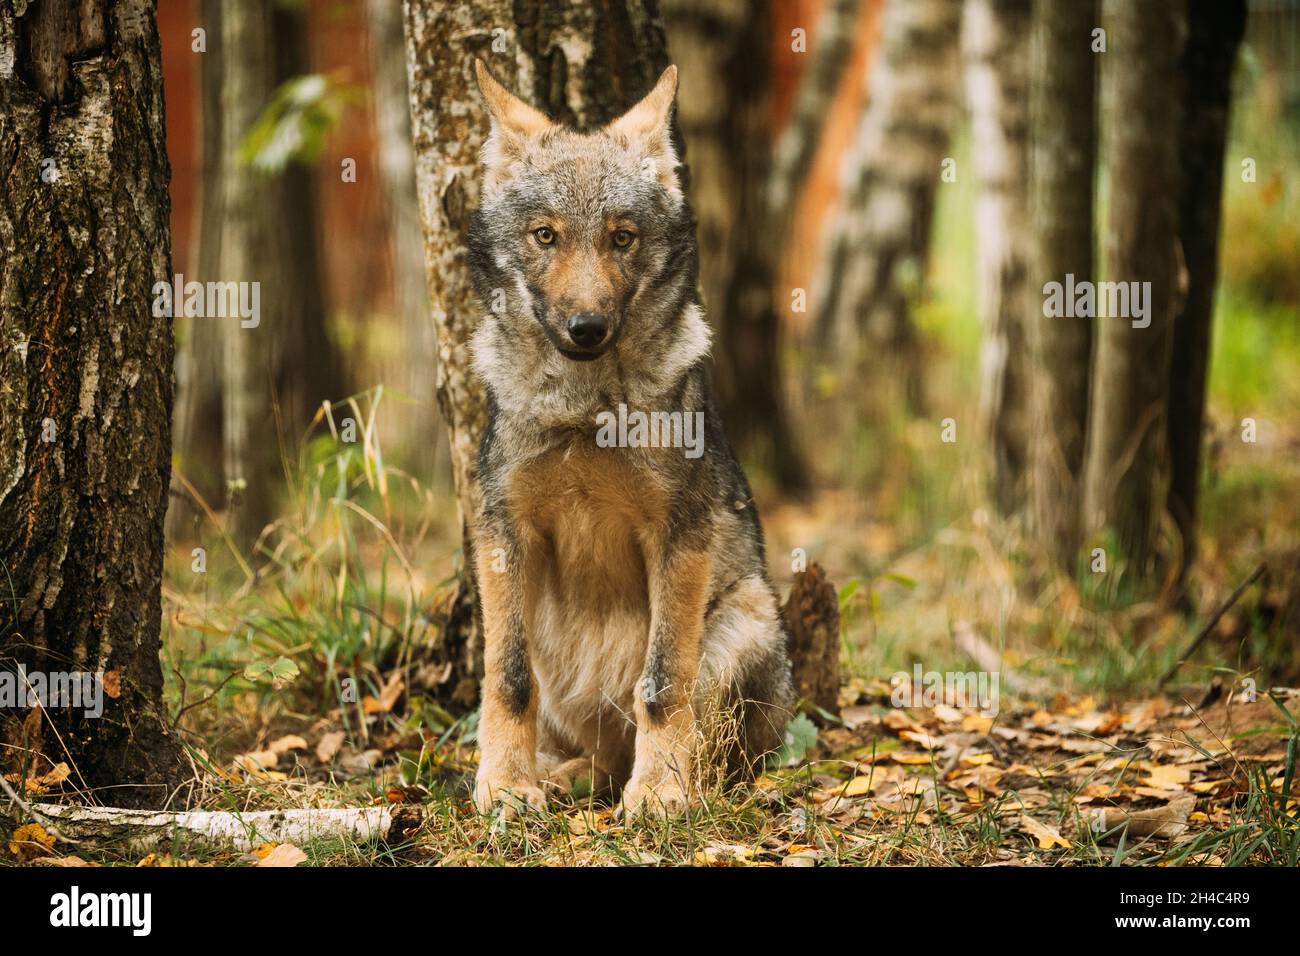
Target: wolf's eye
[
  {"x": 545, "y": 235},
  {"x": 623, "y": 238}
]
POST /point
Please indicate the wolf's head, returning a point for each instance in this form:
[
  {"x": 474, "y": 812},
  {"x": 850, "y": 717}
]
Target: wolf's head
[{"x": 583, "y": 251}]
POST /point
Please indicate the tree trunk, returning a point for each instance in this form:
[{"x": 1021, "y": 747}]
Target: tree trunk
[
  {"x": 997, "y": 77},
  {"x": 1063, "y": 106},
  {"x": 270, "y": 377},
  {"x": 880, "y": 240},
  {"x": 86, "y": 389},
  {"x": 414, "y": 419},
  {"x": 1215, "y": 32},
  {"x": 725, "y": 121},
  {"x": 1128, "y": 447},
  {"x": 197, "y": 442},
  {"x": 581, "y": 64},
  {"x": 796, "y": 147}
]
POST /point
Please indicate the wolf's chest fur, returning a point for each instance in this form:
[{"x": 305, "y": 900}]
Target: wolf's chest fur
[{"x": 589, "y": 512}]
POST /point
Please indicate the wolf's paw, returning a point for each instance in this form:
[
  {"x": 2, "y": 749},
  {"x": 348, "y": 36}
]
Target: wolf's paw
[
  {"x": 514, "y": 798},
  {"x": 664, "y": 798}
]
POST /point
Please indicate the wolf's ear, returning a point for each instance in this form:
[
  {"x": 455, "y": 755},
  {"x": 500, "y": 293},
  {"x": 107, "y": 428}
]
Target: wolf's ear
[
  {"x": 649, "y": 124},
  {"x": 510, "y": 114}
]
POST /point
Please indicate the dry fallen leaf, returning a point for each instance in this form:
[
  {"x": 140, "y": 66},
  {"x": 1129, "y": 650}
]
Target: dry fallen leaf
[
  {"x": 724, "y": 854},
  {"x": 976, "y": 723},
  {"x": 856, "y": 716},
  {"x": 113, "y": 684},
  {"x": 920, "y": 738},
  {"x": 257, "y": 760},
  {"x": 30, "y": 840},
  {"x": 1167, "y": 777},
  {"x": 909, "y": 758},
  {"x": 329, "y": 746},
  {"x": 1046, "y": 836},
  {"x": 286, "y": 743},
  {"x": 284, "y": 855}
]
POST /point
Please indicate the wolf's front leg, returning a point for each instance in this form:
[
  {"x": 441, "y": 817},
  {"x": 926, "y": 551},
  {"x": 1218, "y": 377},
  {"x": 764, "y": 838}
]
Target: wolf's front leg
[
  {"x": 665, "y": 719},
  {"x": 507, "y": 731}
]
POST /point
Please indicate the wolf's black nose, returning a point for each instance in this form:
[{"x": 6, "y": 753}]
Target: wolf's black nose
[{"x": 587, "y": 329}]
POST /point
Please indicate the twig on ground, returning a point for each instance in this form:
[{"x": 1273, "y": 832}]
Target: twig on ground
[{"x": 1204, "y": 632}]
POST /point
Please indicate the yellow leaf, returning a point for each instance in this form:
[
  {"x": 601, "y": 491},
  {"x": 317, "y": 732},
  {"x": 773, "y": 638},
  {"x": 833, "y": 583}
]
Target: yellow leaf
[
  {"x": 30, "y": 840},
  {"x": 977, "y": 723},
  {"x": 857, "y": 786},
  {"x": 976, "y": 760},
  {"x": 1046, "y": 836},
  {"x": 1167, "y": 777},
  {"x": 724, "y": 854},
  {"x": 908, "y": 758}
]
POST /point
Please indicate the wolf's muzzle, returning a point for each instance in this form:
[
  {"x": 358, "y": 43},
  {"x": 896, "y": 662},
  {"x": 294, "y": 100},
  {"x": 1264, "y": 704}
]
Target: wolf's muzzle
[{"x": 588, "y": 332}]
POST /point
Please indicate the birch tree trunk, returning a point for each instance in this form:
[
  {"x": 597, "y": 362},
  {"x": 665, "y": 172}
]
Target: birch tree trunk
[
  {"x": 1216, "y": 30},
  {"x": 1063, "y": 119},
  {"x": 85, "y": 387},
  {"x": 997, "y": 80},
  {"x": 880, "y": 238},
  {"x": 831, "y": 47},
  {"x": 581, "y": 64},
  {"x": 1127, "y": 468}
]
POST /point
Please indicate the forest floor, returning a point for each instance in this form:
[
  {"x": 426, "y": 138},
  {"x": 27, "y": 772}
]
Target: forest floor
[
  {"x": 1075, "y": 756},
  {"x": 1153, "y": 781}
]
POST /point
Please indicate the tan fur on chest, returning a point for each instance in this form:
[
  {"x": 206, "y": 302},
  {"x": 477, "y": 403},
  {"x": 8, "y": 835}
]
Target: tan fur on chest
[{"x": 586, "y": 516}]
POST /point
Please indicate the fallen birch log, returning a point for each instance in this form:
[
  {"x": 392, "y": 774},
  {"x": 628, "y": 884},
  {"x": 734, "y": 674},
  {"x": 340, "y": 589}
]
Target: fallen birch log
[
  {"x": 145, "y": 831},
  {"x": 1167, "y": 822}
]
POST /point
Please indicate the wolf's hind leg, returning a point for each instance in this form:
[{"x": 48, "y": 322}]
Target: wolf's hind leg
[{"x": 747, "y": 674}]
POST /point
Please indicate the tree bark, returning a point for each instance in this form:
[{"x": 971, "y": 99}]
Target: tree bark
[
  {"x": 1063, "y": 105},
  {"x": 832, "y": 46},
  {"x": 1215, "y": 32},
  {"x": 1128, "y": 446},
  {"x": 581, "y": 64},
  {"x": 881, "y": 237},
  {"x": 86, "y": 386},
  {"x": 725, "y": 121},
  {"x": 997, "y": 79},
  {"x": 812, "y": 621}
]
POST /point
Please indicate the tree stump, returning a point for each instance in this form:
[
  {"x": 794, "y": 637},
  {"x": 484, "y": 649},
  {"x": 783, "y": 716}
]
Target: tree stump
[{"x": 812, "y": 617}]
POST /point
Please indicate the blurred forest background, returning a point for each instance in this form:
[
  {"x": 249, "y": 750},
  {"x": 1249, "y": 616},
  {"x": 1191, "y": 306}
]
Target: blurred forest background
[{"x": 860, "y": 171}]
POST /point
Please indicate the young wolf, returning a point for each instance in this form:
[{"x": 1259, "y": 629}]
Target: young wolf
[{"x": 624, "y": 591}]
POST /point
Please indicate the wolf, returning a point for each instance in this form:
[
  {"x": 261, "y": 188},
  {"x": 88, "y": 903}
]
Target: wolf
[{"x": 624, "y": 594}]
